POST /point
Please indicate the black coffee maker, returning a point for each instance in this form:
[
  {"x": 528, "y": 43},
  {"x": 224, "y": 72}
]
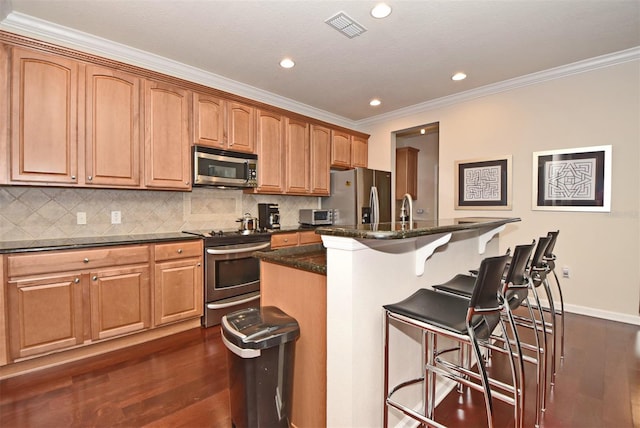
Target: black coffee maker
[{"x": 268, "y": 216}]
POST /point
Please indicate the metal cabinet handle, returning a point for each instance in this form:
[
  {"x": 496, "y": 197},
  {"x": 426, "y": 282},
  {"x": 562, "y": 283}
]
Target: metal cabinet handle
[
  {"x": 90, "y": 177},
  {"x": 199, "y": 264},
  {"x": 179, "y": 250},
  {"x": 77, "y": 280},
  {"x": 73, "y": 177},
  {"x": 86, "y": 260},
  {"x": 95, "y": 278}
]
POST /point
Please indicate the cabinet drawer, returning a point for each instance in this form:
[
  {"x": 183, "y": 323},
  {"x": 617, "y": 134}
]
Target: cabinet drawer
[
  {"x": 61, "y": 261},
  {"x": 178, "y": 250},
  {"x": 279, "y": 240},
  {"x": 309, "y": 238}
]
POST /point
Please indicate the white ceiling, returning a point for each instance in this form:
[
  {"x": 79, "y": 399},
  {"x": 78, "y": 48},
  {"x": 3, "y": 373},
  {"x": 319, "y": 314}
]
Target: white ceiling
[{"x": 405, "y": 59}]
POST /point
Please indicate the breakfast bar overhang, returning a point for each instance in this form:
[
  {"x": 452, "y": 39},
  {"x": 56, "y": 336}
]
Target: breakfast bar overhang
[{"x": 371, "y": 265}]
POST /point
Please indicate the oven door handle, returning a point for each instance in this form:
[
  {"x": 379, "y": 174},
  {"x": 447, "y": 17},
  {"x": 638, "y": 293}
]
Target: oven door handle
[
  {"x": 238, "y": 250},
  {"x": 234, "y": 303}
]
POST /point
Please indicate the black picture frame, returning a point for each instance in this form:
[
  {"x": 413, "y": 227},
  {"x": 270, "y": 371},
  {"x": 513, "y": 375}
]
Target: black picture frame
[
  {"x": 483, "y": 184},
  {"x": 572, "y": 179}
]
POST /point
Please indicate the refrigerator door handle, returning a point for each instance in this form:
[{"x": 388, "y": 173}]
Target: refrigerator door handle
[{"x": 375, "y": 205}]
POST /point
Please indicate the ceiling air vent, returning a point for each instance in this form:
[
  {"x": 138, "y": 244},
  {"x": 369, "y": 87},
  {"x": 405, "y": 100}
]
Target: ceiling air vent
[{"x": 346, "y": 25}]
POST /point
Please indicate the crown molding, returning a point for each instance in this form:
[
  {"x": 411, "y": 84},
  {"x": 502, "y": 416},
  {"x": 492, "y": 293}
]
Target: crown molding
[
  {"x": 47, "y": 31},
  {"x": 632, "y": 54}
]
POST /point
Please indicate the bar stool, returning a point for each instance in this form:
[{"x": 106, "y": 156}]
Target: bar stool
[
  {"x": 550, "y": 259},
  {"x": 515, "y": 292},
  {"x": 467, "y": 321}
]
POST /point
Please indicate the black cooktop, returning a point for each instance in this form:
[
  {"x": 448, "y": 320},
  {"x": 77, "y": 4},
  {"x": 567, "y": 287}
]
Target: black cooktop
[{"x": 220, "y": 237}]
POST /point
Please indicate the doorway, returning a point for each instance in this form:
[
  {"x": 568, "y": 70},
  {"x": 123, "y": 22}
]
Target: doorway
[{"x": 426, "y": 140}]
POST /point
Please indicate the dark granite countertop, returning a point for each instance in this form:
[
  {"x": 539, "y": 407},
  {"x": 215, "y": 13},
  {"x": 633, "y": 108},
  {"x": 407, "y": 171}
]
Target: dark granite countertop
[
  {"x": 397, "y": 230},
  {"x": 93, "y": 241},
  {"x": 312, "y": 258}
]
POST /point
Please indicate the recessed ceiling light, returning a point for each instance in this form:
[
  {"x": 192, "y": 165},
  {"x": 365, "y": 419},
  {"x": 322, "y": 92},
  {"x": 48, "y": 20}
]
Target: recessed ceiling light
[
  {"x": 287, "y": 63},
  {"x": 381, "y": 10},
  {"x": 375, "y": 102},
  {"x": 459, "y": 76}
]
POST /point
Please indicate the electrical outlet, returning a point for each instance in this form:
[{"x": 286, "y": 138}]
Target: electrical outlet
[
  {"x": 116, "y": 217},
  {"x": 565, "y": 271},
  {"x": 81, "y": 217}
]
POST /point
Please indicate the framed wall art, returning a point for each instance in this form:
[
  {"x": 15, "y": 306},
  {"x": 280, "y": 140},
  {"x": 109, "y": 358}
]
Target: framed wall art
[
  {"x": 483, "y": 184},
  {"x": 572, "y": 179}
]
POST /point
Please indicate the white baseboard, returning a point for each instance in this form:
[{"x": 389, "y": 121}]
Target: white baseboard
[{"x": 596, "y": 313}]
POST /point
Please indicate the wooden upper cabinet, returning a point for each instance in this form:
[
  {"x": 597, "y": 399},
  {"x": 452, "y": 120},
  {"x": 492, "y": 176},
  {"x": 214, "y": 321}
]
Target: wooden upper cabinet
[
  {"x": 270, "y": 138},
  {"x": 167, "y": 149},
  {"x": 340, "y": 149},
  {"x": 4, "y": 127},
  {"x": 112, "y": 120},
  {"x": 297, "y": 156},
  {"x": 407, "y": 172},
  {"x": 320, "y": 159},
  {"x": 44, "y": 118},
  {"x": 241, "y": 134},
  {"x": 359, "y": 152},
  {"x": 209, "y": 121}
]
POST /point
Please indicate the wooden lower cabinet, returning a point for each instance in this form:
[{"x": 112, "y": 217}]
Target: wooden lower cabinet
[
  {"x": 61, "y": 300},
  {"x": 303, "y": 296},
  {"x": 293, "y": 239},
  {"x": 178, "y": 290},
  {"x": 45, "y": 314},
  {"x": 120, "y": 301},
  {"x": 178, "y": 282}
]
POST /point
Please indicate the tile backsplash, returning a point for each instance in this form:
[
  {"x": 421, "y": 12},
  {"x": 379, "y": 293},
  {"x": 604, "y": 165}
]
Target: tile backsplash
[{"x": 28, "y": 213}]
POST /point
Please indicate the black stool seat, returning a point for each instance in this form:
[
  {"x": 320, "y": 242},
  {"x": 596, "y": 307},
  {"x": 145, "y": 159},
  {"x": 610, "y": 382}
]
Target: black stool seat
[
  {"x": 444, "y": 311},
  {"x": 460, "y": 285}
]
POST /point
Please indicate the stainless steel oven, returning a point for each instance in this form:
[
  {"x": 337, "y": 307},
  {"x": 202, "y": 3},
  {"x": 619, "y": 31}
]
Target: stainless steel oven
[{"x": 232, "y": 274}]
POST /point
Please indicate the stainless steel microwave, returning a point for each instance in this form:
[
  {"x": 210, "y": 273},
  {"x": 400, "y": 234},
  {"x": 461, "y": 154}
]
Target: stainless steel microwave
[{"x": 220, "y": 168}]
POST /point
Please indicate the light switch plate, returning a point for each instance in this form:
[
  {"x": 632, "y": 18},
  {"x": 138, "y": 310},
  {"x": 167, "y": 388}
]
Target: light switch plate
[
  {"x": 81, "y": 217},
  {"x": 116, "y": 217}
]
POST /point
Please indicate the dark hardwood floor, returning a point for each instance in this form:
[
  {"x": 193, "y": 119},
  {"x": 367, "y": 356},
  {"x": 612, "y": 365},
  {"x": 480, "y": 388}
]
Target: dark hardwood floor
[{"x": 181, "y": 381}]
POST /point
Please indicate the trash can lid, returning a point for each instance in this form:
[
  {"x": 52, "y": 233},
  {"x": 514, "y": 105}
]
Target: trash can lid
[{"x": 259, "y": 328}]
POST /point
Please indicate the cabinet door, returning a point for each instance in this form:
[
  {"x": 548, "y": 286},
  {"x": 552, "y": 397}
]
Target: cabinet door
[
  {"x": 4, "y": 356},
  {"x": 120, "y": 301},
  {"x": 340, "y": 149},
  {"x": 297, "y": 156},
  {"x": 407, "y": 172},
  {"x": 208, "y": 121},
  {"x": 270, "y": 152},
  {"x": 359, "y": 152},
  {"x": 112, "y": 138},
  {"x": 241, "y": 127},
  {"x": 45, "y": 314},
  {"x": 4, "y": 113},
  {"x": 44, "y": 118},
  {"x": 320, "y": 160},
  {"x": 167, "y": 148},
  {"x": 178, "y": 290}
]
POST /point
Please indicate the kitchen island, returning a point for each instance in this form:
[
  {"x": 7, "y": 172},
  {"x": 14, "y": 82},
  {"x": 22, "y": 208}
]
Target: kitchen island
[{"x": 368, "y": 266}]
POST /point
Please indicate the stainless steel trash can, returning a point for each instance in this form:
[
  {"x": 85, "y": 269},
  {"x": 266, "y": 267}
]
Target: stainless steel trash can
[{"x": 261, "y": 344}]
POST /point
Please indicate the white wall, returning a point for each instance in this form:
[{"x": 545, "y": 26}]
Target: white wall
[{"x": 592, "y": 108}]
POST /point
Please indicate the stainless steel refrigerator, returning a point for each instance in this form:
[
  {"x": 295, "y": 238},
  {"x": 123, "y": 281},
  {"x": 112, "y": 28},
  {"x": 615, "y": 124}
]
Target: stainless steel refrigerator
[{"x": 359, "y": 196}]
